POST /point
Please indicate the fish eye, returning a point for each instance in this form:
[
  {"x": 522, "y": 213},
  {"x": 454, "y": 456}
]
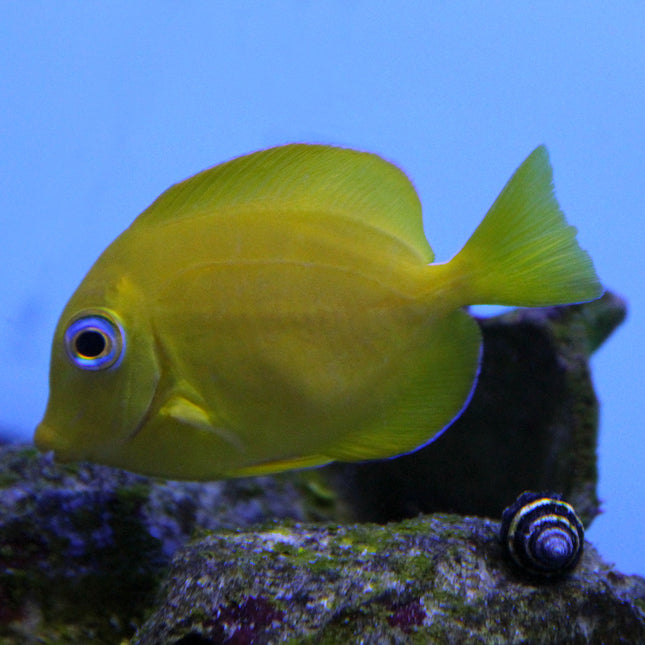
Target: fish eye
[{"x": 94, "y": 341}]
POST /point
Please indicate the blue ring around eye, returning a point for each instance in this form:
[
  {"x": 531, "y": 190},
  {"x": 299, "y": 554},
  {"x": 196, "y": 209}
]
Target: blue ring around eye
[{"x": 94, "y": 341}]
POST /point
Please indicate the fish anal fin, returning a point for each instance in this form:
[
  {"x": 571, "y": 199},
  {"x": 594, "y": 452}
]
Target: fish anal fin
[
  {"x": 438, "y": 389},
  {"x": 280, "y": 465}
]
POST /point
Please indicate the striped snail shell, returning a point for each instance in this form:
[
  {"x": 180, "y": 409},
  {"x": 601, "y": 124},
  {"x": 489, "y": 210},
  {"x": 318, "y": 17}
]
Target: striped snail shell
[{"x": 542, "y": 533}]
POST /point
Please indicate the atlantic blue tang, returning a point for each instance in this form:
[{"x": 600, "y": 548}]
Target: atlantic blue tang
[{"x": 282, "y": 310}]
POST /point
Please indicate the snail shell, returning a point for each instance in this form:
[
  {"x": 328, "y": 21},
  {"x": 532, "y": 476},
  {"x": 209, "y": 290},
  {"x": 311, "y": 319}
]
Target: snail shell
[{"x": 542, "y": 533}]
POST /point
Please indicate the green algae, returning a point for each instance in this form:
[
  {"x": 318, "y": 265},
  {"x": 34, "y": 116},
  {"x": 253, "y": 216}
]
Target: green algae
[{"x": 433, "y": 579}]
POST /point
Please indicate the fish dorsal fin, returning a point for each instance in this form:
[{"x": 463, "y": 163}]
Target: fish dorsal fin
[{"x": 308, "y": 178}]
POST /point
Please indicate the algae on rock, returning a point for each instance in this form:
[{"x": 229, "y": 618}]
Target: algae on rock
[{"x": 434, "y": 579}]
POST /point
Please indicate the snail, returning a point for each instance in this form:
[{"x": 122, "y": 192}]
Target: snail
[{"x": 542, "y": 533}]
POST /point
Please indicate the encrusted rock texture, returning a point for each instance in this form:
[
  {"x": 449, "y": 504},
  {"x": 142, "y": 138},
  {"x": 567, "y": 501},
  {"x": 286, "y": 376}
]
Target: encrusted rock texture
[
  {"x": 90, "y": 554},
  {"x": 435, "y": 579}
]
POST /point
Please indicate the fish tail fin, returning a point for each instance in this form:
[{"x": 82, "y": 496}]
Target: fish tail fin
[{"x": 524, "y": 253}]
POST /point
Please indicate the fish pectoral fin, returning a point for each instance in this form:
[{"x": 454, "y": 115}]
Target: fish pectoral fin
[{"x": 187, "y": 412}]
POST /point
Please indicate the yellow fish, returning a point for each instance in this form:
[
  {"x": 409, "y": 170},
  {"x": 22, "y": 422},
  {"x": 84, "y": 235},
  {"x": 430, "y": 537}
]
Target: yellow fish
[{"x": 280, "y": 311}]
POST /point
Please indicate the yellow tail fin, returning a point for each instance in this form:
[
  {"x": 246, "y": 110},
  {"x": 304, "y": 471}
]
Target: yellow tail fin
[{"x": 524, "y": 253}]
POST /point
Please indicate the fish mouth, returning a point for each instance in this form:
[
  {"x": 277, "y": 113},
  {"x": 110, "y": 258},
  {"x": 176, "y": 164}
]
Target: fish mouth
[
  {"x": 43, "y": 438},
  {"x": 47, "y": 440}
]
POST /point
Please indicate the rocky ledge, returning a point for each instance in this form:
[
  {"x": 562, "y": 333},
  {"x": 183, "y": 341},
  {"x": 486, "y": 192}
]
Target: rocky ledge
[{"x": 435, "y": 579}]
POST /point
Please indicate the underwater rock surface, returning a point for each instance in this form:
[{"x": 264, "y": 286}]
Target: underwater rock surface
[
  {"x": 85, "y": 550},
  {"x": 531, "y": 424},
  {"x": 435, "y": 579},
  {"x": 83, "y": 547}
]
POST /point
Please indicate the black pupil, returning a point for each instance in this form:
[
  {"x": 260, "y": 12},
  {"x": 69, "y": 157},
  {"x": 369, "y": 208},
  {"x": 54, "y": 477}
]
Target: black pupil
[{"x": 90, "y": 343}]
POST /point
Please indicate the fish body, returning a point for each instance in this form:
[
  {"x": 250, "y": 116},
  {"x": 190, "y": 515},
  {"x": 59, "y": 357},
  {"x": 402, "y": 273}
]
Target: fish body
[{"x": 281, "y": 310}]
